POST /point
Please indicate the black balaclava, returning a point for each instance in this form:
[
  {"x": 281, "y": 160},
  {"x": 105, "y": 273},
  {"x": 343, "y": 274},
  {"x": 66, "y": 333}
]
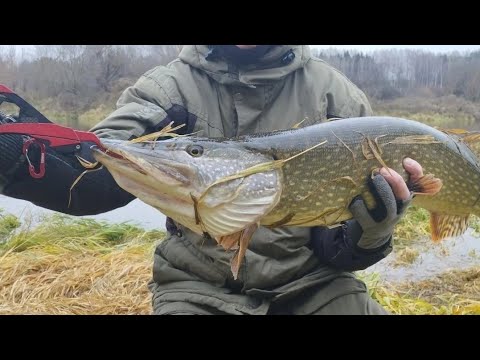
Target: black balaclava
[{"x": 241, "y": 56}]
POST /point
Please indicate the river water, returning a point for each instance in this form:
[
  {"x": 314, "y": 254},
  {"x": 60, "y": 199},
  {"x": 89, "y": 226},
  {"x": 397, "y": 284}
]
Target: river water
[
  {"x": 136, "y": 212},
  {"x": 459, "y": 253}
]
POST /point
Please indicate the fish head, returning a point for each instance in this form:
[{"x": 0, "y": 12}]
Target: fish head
[{"x": 204, "y": 181}]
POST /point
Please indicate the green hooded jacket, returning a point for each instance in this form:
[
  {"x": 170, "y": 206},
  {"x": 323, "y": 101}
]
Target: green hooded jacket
[{"x": 285, "y": 87}]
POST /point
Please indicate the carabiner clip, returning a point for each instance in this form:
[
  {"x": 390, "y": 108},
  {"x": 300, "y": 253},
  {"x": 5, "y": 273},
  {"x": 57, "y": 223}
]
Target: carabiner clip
[{"x": 31, "y": 168}]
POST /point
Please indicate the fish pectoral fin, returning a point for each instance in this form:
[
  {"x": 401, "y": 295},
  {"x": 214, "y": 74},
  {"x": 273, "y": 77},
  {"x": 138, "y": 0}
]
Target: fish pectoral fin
[
  {"x": 244, "y": 238},
  {"x": 231, "y": 241},
  {"x": 426, "y": 185},
  {"x": 443, "y": 225}
]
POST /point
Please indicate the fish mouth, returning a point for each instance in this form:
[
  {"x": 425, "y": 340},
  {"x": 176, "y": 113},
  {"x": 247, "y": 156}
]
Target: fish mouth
[
  {"x": 161, "y": 185},
  {"x": 115, "y": 160},
  {"x": 123, "y": 159}
]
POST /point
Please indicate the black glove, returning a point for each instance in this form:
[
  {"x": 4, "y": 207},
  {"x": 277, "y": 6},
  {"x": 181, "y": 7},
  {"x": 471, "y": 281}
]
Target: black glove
[
  {"x": 366, "y": 239},
  {"x": 10, "y": 152},
  {"x": 96, "y": 192},
  {"x": 374, "y": 228}
]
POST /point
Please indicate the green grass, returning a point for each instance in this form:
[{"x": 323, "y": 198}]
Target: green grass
[
  {"x": 78, "y": 118},
  {"x": 72, "y": 233},
  {"x": 91, "y": 117},
  {"x": 452, "y": 293},
  {"x": 445, "y": 121},
  {"x": 8, "y": 224},
  {"x": 416, "y": 224}
]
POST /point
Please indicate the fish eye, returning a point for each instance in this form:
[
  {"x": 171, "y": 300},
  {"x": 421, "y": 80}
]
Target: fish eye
[{"x": 195, "y": 150}]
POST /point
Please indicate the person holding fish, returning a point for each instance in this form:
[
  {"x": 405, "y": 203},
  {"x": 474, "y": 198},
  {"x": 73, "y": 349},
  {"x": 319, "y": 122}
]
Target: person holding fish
[{"x": 227, "y": 91}]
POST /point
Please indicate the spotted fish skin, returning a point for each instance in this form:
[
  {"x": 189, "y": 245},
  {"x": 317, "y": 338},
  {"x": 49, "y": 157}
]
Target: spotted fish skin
[
  {"x": 310, "y": 176},
  {"x": 319, "y": 185}
]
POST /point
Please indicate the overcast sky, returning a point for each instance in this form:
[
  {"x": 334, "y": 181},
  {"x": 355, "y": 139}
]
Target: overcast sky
[
  {"x": 433, "y": 48},
  {"x": 370, "y": 48}
]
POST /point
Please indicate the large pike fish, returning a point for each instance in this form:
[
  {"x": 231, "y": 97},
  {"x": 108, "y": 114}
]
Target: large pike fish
[{"x": 226, "y": 188}]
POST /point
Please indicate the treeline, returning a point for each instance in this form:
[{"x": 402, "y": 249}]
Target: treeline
[
  {"x": 388, "y": 74},
  {"x": 81, "y": 76},
  {"x": 76, "y": 76}
]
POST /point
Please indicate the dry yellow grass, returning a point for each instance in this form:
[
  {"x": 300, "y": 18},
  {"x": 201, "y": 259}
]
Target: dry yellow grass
[
  {"x": 81, "y": 266},
  {"x": 75, "y": 283},
  {"x": 71, "y": 266},
  {"x": 451, "y": 293}
]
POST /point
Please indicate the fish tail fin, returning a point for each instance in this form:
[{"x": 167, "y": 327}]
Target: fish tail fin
[{"x": 443, "y": 226}]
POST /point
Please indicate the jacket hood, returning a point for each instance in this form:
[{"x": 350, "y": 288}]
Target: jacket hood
[{"x": 277, "y": 63}]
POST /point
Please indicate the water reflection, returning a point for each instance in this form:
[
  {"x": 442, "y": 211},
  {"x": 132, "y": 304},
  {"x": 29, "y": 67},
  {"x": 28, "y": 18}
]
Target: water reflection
[{"x": 433, "y": 259}]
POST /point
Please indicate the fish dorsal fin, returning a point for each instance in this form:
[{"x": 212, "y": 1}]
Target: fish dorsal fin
[
  {"x": 471, "y": 138},
  {"x": 443, "y": 226},
  {"x": 426, "y": 185},
  {"x": 460, "y": 132},
  {"x": 467, "y": 136}
]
